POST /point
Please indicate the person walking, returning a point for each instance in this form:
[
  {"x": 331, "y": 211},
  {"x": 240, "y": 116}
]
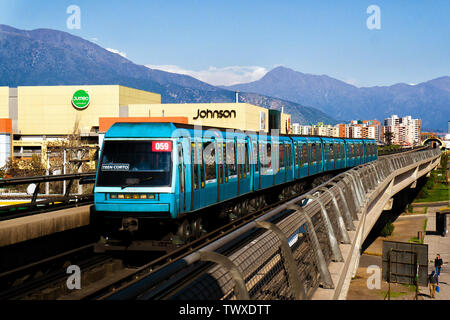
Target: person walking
[
  {"x": 438, "y": 264},
  {"x": 433, "y": 282}
]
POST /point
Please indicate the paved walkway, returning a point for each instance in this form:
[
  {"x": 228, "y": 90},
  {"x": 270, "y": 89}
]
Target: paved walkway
[{"x": 437, "y": 244}]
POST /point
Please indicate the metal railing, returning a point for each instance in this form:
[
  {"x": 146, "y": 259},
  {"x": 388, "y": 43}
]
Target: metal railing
[
  {"x": 32, "y": 202},
  {"x": 290, "y": 258}
]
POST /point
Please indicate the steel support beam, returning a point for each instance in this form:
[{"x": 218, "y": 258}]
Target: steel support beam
[
  {"x": 336, "y": 252},
  {"x": 341, "y": 223}
]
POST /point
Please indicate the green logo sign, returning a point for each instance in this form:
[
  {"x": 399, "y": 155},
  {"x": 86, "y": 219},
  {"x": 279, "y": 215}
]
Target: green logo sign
[{"x": 80, "y": 100}]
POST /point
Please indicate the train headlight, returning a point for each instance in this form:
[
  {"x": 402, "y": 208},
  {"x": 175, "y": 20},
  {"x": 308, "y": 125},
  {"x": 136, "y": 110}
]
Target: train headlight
[{"x": 132, "y": 196}]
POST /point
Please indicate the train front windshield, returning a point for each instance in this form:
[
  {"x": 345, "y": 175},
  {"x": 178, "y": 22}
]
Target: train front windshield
[{"x": 135, "y": 164}]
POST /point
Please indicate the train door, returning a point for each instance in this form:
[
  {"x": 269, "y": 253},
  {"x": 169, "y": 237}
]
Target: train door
[
  {"x": 266, "y": 168},
  {"x": 304, "y": 170},
  {"x": 280, "y": 174},
  {"x": 297, "y": 166},
  {"x": 289, "y": 166},
  {"x": 221, "y": 178},
  {"x": 181, "y": 179},
  {"x": 256, "y": 169},
  {"x": 246, "y": 177},
  {"x": 195, "y": 176},
  {"x": 210, "y": 191},
  {"x": 312, "y": 158},
  {"x": 232, "y": 183}
]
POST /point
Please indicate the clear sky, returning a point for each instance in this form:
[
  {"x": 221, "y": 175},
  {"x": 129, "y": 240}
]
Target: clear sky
[{"x": 225, "y": 42}]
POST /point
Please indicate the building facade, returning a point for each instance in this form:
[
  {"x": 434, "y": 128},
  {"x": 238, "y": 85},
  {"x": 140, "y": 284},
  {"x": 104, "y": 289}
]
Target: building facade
[
  {"x": 403, "y": 131},
  {"x": 36, "y": 117}
]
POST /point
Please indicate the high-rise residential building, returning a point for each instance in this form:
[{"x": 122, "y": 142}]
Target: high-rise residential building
[{"x": 404, "y": 131}]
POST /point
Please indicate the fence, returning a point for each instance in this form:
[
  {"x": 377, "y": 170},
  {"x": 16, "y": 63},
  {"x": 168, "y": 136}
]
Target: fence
[{"x": 290, "y": 259}]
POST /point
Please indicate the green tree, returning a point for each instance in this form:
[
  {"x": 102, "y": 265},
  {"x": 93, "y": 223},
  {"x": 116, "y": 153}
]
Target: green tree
[{"x": 388, "y": 136}]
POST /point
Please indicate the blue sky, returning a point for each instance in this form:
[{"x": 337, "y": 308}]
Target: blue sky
[{"x": 224, "y": 42}]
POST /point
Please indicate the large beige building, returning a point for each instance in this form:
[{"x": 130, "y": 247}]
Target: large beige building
[{"x": 42, "y": 114}]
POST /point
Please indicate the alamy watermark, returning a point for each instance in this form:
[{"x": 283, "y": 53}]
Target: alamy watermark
[
  {"x": 74, "y": 280},
  {"x": 373, "y": 22},
  {"x": 74, "y": 20},
  {"x": 374, "y": 281}
]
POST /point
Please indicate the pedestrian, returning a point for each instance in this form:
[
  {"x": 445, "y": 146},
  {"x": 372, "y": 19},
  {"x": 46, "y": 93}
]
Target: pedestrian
[
  {"x": 438, "y": 264},
  {"x": 433, "y": 281}
]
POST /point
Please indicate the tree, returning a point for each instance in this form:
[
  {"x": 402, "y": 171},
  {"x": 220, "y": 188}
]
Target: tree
[{"x": 388, "y": 136}]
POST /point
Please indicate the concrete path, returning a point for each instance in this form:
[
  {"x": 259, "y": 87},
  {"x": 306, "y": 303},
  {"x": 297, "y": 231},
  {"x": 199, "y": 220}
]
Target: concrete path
[{"x": 437, "y": 244}]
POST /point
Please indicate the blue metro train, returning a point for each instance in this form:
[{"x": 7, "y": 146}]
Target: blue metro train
[{"x": 180, "y": 174}]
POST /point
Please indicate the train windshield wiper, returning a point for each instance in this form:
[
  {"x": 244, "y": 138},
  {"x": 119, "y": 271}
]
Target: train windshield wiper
[{"x": 135, "y": 183}]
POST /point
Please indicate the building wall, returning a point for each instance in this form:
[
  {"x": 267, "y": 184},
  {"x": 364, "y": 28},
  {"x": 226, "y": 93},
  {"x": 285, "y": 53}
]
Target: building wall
[
  {"x": 134, "y": 96},
  {"x": 242, "y": 115},
  {"x": 49, "y": 111},
  {"x": 4, "y": 102}
]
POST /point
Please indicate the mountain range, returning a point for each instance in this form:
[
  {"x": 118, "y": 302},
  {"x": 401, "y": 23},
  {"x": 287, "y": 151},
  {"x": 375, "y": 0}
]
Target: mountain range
[
  {"x": 50, "y": 57},
  {"x": 429, "y": 101}
]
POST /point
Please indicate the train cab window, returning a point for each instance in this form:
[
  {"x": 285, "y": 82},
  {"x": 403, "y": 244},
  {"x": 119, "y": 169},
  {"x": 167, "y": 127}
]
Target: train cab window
[
  {"x": 194, "y": 159},
  {"x": 209, "y": 158},
  {"x": 202, "y": 165},
  {"x": 135, "y": 163},
  {"x": 231, "y": 159}
]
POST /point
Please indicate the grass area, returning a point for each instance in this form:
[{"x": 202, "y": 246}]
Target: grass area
[
  {"x": 415, "y": 240},
  {"x": 425, "y": 223},
  {"x": 410, "y": 287},
  {"x": 435, "y": 189},
  {"x": 440, "y": 192}
]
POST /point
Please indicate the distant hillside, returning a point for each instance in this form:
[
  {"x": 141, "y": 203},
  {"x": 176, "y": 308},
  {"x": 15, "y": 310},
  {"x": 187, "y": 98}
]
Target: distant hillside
[
  {"x": 429, "y": 101},
  {"x": 50, "y": 57}
]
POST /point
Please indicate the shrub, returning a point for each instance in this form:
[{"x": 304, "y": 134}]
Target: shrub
[{"x": 387, "y": 230}]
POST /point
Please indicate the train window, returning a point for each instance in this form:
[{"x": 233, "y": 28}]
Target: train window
[
  {"x": 267, "y": 165},
  {"x": 247, "y": 162},
  {"x": 342, "y": 151},
  {"x": 194, "y": 159},
  {"x": 202, "y": 165},
  {"x": 209, "y": 157},
  {"x": 255, "y": 156},
  {"x": 313, "y": 152},
  {"x": 296, "y": 153},
  {"x": 231, "y": 159}
]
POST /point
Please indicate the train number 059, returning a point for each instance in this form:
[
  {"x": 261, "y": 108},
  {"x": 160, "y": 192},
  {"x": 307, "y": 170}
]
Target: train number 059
[{"x": 162, "y": 146}]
